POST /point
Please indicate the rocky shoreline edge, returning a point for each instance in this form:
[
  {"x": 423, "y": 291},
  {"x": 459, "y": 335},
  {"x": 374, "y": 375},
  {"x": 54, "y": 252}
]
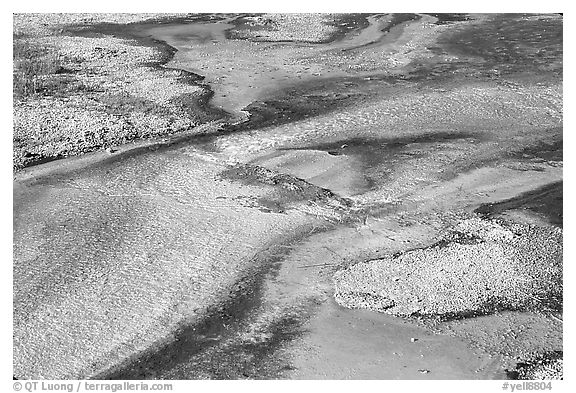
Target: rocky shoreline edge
[
  {"x": 100, "y": 85},
  {"x": 89, "y": 82}
]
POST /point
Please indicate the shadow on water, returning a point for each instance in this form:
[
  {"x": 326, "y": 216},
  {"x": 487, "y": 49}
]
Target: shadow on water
[
  {"x": 312, "y": 98},
  {"x": 380, "y": 155},
  {"x": 375, "y": 151},
  {"x": 552, "y": 151},
  {"x": 191, "y": 341},
  {"x": 546, "y": 200},
  {"x": 213, "y": 348}
]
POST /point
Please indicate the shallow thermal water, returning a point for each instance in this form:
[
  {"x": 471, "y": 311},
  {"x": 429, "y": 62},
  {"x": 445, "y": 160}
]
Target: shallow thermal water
[
  {"x": 112, "y": 258},
  {"x": 241, "y": 71}
]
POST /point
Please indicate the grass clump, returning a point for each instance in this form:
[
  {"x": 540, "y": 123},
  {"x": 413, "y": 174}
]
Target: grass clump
[
  {"x": 123, "y": 103},
  {"x": 38, "y": 70},
  {"x": 32, "y": 65}
]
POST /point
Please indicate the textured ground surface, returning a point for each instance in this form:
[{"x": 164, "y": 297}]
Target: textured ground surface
[
  {"x": 481, "y": 267},
  {"x": 104, "y": 91},
  {"x": 361, "y": 143}
]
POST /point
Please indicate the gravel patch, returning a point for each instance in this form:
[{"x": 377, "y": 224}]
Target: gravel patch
[
  {"x": 550, "y": 367},
  {"x": 41, "y": 24},
  {"x": 288, "y": 27},
  {"x": 481, "y": 266},
  {"x": 112, "y": 90},
  {"x": 550, "y": 370}
]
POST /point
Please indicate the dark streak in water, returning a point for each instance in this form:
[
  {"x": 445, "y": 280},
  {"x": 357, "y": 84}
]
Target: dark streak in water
[
  {"x": 309, "y": 99},
  {"x": 385, "y": 152},
  {"x": 190, "y": 354},
  {"x": 552, "y": 151},
  {"x": 546, "y": 200}
]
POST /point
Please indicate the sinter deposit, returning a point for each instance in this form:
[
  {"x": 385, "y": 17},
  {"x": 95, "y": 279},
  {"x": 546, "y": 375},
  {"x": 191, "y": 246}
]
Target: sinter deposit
[{"x": 480, "y": 267}]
